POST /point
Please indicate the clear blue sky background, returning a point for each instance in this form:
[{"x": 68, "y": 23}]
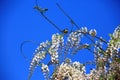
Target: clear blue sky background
[{"x": 19, "y": 22}]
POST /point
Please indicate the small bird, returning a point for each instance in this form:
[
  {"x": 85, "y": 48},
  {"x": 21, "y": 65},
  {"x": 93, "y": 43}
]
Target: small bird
[
  {"x": 65, "y": 31},
  {"x": 42, "y": 10}
]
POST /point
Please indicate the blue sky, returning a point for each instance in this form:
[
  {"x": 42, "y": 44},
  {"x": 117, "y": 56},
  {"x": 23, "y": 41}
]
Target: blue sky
[{"x": 20, "y": 22}]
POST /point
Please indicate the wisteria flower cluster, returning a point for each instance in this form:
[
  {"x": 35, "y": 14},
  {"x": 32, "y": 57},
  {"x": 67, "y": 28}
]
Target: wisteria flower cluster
[{"x": 107, "y": 60}]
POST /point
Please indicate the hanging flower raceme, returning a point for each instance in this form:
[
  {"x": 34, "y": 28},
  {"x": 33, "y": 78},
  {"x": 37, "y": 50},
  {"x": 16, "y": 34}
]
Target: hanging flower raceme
[{"x": 107, "y": 60}]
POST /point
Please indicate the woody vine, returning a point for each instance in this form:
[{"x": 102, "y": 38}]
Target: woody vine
[{"x": 65, "y": 43}]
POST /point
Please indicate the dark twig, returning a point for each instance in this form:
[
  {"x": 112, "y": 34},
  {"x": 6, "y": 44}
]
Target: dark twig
[
  {"x": 71, "y": 20},
  {"x": 21, "y": 48}
]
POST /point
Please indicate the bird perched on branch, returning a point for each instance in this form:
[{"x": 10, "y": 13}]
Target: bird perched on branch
[{"x": 42, "y": 10}]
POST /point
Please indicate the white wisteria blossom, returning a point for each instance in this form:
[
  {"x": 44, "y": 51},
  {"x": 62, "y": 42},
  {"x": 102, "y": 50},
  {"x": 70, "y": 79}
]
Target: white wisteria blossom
[
  {"x": 55, "y": 56},
  {"x": 92, "y": 32},
  {"x": 68, "y": 72},
  {"x": 107, "y": 60},
  {"x": 44, "y": 68}
]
